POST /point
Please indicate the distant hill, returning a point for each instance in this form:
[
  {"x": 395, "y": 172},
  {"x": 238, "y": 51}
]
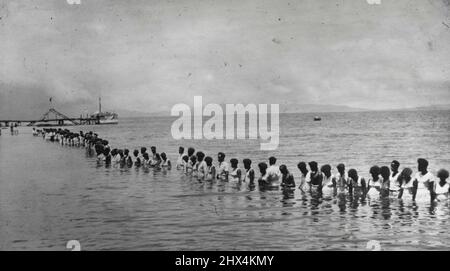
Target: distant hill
[
  {"x": 317, "y": 108},
  {"x": 431, "y": 107}
]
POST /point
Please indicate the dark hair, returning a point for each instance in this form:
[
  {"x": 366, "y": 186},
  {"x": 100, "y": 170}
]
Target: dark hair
[
  {"x": 442, "y": 174},
  {"x": 193, "y": 159},
  {"x": 106, "y": 151},
  {"x": 185, "y": 158},
  {"x": 234, "y": 162},
  {"x": 158, "y": 157},
  {"x": 180, "y": 150},
  {"x": 375, "y": 170},
  {"x": 247, "y": 162},
  {"x": 126, "y": 151},
  {"x": 163, "y": 156},
  {"x": 395, "y": 163},
  {"x": 145, "y": 155},
  {"x": 283, "y": 169},
  {"x": 200, "y": 156},
  {"x": 208, "y": 160},
  {"x": 325, "y": 168},
  {"x": 352, "y": 173},
  {"x": 143, "y": 149},
  {"x": 136, "y": 152},
  {"x": 340, "y": 167},
  {"x": 221, "y": 155},
  {"x": 385, "y": 172},
  {"x": 313, "y": 166},
  {"x": 301, "y": 165},
  {"x": 422, "y": 162},
  {"x": 191, "y": 151},
  {"x": 262, "y": 167},
  {"x": 272, "y": 160}
]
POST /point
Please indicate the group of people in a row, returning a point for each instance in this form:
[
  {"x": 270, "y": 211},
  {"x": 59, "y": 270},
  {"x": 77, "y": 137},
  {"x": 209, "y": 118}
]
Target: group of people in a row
[
  {"x": 383, "y": 182},
  {"x": 105, "y": 154}
]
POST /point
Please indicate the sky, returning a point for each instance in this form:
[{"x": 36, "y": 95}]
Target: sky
[{"x": 150, "y": 55}]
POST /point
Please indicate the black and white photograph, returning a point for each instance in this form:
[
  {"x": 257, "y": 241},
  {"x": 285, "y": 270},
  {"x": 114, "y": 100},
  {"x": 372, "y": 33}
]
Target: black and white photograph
[{"x": 224, "y": 125}]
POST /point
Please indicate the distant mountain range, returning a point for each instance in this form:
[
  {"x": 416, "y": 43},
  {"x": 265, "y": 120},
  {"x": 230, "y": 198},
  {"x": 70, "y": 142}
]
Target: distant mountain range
[{"x": 297, "y": 108}]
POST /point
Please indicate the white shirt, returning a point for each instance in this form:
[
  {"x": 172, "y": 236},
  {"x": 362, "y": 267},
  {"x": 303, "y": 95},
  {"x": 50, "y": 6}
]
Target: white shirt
[
  {"x": 273, "y": 173},
  {"x": 423, "y": 179}
]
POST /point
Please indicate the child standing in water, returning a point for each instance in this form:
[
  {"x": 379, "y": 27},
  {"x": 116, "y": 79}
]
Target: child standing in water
[
  {"x": 190, "y": 165},
  {"x": 146, "y": 160},
  {"x": 341, "y": 179},
  {"x": 315, "y": 177},
  {"x": 442, "y": 187},
  {"x": 223, "y": 170},
  {"x": 157, "y": 161},
  {"x": 201, "y": 165},
  {"x": 407, "y": 187},
  {"x": 210, "y": 171},
  {"x": 328, "y": 182},
  {"x": 394, "y": 185},
  {"x": 235, "y": 171},
  {"x": 137, "y": 159},
  {"x": 385, "y": 175},
  {"x": 107, "y": 157},
  {"x": 262, "y": 181},
  {"x": 180, "y": 164},
  {"x": 127, "y": 158},
  {"x": 374, "y": 184},
  {"x": 304, "y": 177},
  {"x": 357, "y": 184},
  {"x": 425, "y": 181},
  {"x": 249, "y": 173},
  {"x": 165, "y": 162},
  {"x": 287, "y": 179}
]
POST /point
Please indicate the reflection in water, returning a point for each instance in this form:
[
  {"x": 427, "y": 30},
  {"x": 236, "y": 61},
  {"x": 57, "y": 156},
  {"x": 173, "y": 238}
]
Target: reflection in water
[{"x": 65, "y": 195}]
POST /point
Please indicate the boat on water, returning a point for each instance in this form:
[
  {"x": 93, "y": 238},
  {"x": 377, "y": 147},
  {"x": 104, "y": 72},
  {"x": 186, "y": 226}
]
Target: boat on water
[
  {"x": 105, "y": 117},
  {"x": 317, "y": 118}
]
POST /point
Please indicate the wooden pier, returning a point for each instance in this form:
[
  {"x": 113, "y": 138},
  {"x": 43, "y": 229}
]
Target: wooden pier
[{"x": 52, "y": 118}]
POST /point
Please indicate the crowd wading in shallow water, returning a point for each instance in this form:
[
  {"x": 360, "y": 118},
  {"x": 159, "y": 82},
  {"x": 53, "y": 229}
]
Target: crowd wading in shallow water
[{"x": 384, "y": 181}]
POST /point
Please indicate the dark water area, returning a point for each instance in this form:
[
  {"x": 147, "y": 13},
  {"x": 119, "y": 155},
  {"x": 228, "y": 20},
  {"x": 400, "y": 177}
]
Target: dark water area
[{"x": 50, "y": 194}]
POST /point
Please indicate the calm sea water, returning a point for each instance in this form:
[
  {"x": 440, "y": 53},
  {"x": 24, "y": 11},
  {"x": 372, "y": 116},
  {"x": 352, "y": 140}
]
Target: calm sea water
[{"x": 51, "y": 194}]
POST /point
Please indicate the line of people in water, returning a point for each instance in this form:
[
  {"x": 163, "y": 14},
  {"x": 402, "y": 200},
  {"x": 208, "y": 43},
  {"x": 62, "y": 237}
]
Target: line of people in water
[{"x": 384, "y": 181}]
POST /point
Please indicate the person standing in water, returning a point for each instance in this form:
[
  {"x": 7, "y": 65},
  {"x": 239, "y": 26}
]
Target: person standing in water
[
  {"x": 210, "y": 173},
  {"x": 385, "y": 175},
  {"x": 201, "y": 165},
  {"x": 249, "y": 173},
  {"x": 394, "y": 185},
  {"x": 374, "y": 184},
  {"x": 223, "y": 170},
  {"x": 304, "y": 177},
  {"x": 180, "y": 164},
  {"x": 407, "y": 188},
  {"x": 316, "y": 178},
  {"x": 137, "y": 159},
  {"x": 341, "y": 179},
  {"x": 165, "y": 162},
  {"x": 424, "y": 179},
  {"x": 287, "y": 179},
  {"x": 235, "y": 174},
  {"x": 358, "y": 185},
  {"x": 441, "y": 187},
  {"x": 273, "y": 173},
  {"x": 262, "y": 181},
  {"x": 328, "y": 182}
]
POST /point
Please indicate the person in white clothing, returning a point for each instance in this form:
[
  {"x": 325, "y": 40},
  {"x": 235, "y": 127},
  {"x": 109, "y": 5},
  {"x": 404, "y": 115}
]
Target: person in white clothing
[
  {"x": 304, "y": 177},
  {"x": 394, "y": 185},
  {"x": 273, "y": 172},
  {"x": 441, "y": 187},
  {"x": 424, "y": 181},
  {"x": 223, "y": 170}
]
